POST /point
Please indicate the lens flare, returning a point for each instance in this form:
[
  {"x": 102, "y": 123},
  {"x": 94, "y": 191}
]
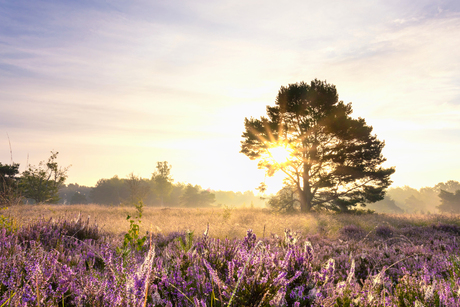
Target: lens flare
[{"x": 280, "y": 154}]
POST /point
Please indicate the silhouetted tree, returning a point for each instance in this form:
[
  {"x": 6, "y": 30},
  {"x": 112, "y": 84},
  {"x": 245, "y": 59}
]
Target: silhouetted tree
[
  {"x": 333, "y": 160},
  {"x": 9, "y": 191},
  {"x": 450, "y": 202}
]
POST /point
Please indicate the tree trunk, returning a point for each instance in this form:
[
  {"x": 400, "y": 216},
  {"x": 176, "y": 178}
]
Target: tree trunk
[
  {"x": 305, "y": 207},
  {"x": 305, "y": 194}
]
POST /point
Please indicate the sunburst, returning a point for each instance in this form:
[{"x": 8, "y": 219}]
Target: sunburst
[{"x": 280, "y": 153}]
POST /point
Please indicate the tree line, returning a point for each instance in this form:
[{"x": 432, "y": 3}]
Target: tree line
[
  {"x": 39, "y": 184},
  {"x": 331, "y": 161},
  {"x": 442, "y": 197},
  {"x": 159, "y": 190},
  {"x": 45, "y": 183}
]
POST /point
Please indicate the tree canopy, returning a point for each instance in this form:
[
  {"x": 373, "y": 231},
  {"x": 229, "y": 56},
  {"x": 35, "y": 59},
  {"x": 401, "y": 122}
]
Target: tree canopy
[
  {"x": 9, "y": 183},
  {"x": 332, "y": 160},
  {"x": 194, "y": 196},
  {"x": 162, "y": 182},
  {"x": 42, "y": 183}
]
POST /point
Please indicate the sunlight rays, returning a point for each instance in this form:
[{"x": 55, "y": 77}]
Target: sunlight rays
[{"x": 280, "y": 153}]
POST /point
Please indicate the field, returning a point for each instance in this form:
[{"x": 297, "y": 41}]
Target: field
[
  {"x": 248, "y": 257},
  {"x": 223, "y": 223}
]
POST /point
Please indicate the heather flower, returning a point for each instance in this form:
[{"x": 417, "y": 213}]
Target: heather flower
[
  {"x": 416, "y": 268},
  {"x": 384, "y": 231},
  {"x": 351, "y": 274},
  {"x": 352, "y": 232},
  {"x": 214, "y": 276},
  {"x": 279, "y": 299}
]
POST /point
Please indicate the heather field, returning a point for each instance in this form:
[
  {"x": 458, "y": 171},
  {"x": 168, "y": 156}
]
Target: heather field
[{"x": 56, "y": 256}]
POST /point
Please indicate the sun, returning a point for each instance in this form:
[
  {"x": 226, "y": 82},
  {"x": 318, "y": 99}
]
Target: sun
[{"x": 280, "y": 154}]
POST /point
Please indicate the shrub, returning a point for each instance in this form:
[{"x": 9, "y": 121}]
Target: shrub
[
  {"x": 384, "y": 231},
  {"x": 454, "y": 229},
  {"x": 352, "y": 232}
]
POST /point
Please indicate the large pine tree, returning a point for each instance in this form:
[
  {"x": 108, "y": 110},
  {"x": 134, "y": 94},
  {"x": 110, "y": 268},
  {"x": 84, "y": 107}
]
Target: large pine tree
[{"x": 332, "y": 160}]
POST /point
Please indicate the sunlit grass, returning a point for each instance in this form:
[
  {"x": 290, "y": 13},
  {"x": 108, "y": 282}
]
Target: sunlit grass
[{"x": 223, "y": 222}]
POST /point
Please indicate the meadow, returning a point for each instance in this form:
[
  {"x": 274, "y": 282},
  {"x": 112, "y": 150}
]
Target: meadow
[
  {"x": 227, "y": 222},
  {"x": 89, "y": 255}
]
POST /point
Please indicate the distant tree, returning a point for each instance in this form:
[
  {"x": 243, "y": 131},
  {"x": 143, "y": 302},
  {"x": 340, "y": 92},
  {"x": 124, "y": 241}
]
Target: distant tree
[
  {"x": 9, "y": 191},
  {"x": 67, "y": 192},
  {"x": 111, "y": 191},
  {"x": 162, "y": 182},
  {"x": 449, "y": 186},
  {"x": 333, "y": 160},
  {"x": 193, "y": 197},
  {"x": 386, "y": 205},
  {"x": 175, "y": 196},
  {"x": 78, "y": 198},
  {"x": 138, "y": 189},
  {"x": 415, "y": 205},
  {"x": 450, "y": 202},
  {"x": 42, "y": 183}
]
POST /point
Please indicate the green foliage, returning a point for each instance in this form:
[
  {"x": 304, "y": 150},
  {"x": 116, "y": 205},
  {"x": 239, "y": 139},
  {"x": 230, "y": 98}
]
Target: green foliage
[
  {"x": 334, "y": 160},
  {"x": 188, "y": 243},
  {"x": 42, "y": 183},
  {"x": 344, "y": 301},
  {"x": 8, "y": 223},
  {"x": 132, "y": 239}
]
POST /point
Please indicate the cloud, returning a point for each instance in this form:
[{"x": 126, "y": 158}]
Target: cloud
[{"x": 146, "y": 79}]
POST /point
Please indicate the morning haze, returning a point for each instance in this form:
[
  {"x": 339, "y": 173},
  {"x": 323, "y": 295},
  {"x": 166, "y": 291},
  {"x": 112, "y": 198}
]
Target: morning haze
[{"x": 116, "y": 87}]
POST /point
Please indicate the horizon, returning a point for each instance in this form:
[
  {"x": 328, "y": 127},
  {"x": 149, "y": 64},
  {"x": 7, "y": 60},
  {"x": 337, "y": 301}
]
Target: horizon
[{"x": 115, "y": 87}]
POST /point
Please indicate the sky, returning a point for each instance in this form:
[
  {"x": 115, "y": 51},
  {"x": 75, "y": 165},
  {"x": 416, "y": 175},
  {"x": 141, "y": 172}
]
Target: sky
[{"x": 115, "y": 86}]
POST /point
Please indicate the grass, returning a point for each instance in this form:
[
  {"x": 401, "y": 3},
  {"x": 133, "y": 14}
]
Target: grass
[{"x": 222, "y": 221}]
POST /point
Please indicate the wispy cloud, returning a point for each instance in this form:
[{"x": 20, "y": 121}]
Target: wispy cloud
[{"x": 120, "y": 83}]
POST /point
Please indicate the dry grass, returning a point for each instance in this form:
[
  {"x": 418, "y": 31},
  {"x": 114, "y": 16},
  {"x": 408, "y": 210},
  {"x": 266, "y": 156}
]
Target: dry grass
[{"x": 222, "y": 222}]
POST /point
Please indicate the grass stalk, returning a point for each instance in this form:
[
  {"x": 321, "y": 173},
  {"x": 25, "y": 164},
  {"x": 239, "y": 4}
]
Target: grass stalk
[{"x": 8, "y": 299}]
